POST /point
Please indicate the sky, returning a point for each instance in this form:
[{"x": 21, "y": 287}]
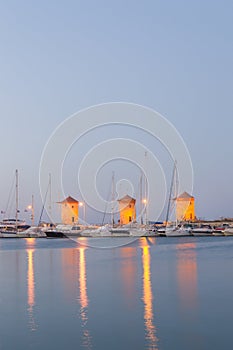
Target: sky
[{"x": 175, "y": 57}]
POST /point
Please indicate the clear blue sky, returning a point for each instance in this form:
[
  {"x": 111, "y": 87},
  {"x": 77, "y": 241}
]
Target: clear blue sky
[{"x": 174, "y": 56}]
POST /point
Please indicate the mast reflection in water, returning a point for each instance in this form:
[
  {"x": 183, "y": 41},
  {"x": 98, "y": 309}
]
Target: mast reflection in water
[
  {"x": 31, "y": 283},
  {"x": 150, "y": 329},
  {"x": 83, "y": 297}
]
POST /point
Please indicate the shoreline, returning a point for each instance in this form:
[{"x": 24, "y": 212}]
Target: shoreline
[{"x": 14, "y": 236}]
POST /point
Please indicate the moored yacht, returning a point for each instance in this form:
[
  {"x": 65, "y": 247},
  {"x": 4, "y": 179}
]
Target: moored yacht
[
  {"x": 179, "y": 232},
  {"x": 93, "y": 231},
  {"x": 13, "y": 226},
  {"x": 131, "y": 229},
  {"x": 62, "y": 231},
  {"x": 219, "y": 231},
  {"x": 204, "y": 230},
  {"x": 32, "y": 231},
  {"x": 228, "y": 231}
]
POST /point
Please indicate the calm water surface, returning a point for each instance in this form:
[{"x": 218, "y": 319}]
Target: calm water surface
[{"x": 164, "y": 293}]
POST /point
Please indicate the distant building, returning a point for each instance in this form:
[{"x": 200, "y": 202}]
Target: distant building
[
  {"x": 127, "y": 209},
  {"x": 185, "y": 207},
  {"x": 69, "y": 211}
]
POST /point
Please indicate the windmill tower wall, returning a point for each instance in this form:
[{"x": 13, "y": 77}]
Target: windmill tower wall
[
  {"x": 69, "y": 211},
  {"x": 185, "y": 207},
  {"x": 127, "y": 210}
]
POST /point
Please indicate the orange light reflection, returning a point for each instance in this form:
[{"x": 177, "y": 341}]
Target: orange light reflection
[
  {"x": 83, "y": 297},
  {"x": 148, "y": 298},
  {"x": 31, "y": 283},
  {"x": 129, "y": 272}
]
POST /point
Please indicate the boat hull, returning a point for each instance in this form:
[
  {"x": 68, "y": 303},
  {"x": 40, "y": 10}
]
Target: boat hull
[
  {"x": 218, "y": 233},
  {"x": 202, "y": 233},
  {"x": 228, "y": 232},
  {"x": 178, "y": 233},
  {"x": 55, "y": 234}
]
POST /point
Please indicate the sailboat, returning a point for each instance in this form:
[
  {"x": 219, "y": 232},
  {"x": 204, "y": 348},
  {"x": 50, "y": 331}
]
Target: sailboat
[
  {"x": 10, "y": 227},
  {"x": 49, "y": 231},
  {"x": 112, "y": 230},
  {"x": 175, "y": 230},
  {"x": 132, "y": 228}
]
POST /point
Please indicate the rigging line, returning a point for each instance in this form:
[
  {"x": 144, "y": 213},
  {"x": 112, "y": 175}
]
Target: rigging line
[
  {"x": 137, "y": 194},
  {"x": 170, "y": 193},
  {"x": 10, "y": 195},
  {"x": 42, "y": 210},
  {"x": 105, "y": 209},
  {"x": 138, "y": 188}
]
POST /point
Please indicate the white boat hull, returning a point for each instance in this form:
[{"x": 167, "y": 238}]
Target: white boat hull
[
  {"x": 178, "y": 233},
  {"x": 228, "y": 232},
  {"x": 218, "y": 233},
  {"x": 202, "y": 233}
]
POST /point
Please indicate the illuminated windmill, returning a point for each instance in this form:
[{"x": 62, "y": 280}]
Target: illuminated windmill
[
  {"x": 127, "y": 209},
  {"x": 185, "y": 207},
  {"x": 69, "y": 211}
]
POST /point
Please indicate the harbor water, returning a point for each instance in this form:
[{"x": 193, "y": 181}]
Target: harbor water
[{"x": 154, "y": 293}]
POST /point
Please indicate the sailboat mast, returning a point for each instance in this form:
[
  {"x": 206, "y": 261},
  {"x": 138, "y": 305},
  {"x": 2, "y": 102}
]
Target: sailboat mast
[
  {"x": 45, "y": 199},
  {"x": 176, "y": 188},
  {"x": 146, "y": 201},
  {"x": 33, "y": 211},
  {"x": 113, "y": 197},
  {"x": 170, "y": 193},
  {"x": 146, "y": 189},
  {"x": 140, "y": 198},
  {"x": 50, "y": 197},
  {"x": 16, "y": 197}
]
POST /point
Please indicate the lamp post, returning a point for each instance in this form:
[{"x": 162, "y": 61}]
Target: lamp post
[
  {"x": 31, "y": 207},
  {"x": 82, "y": 204}
]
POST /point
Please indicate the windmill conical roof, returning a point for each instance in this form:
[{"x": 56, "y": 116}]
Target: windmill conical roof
[
  {"x": 69, "y": 199},
  {"x": 185, "y": 195},
  {"x": 126, "y": 198}
]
